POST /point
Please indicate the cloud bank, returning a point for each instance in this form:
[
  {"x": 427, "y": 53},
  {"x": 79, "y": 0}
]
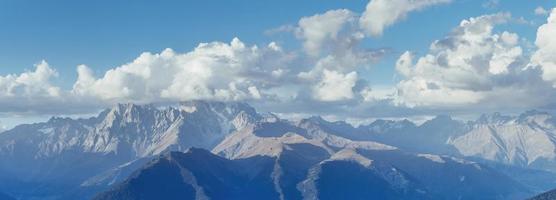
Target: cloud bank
[
  {"x": 217, "y": 70},
  {"x": 473, "y": 67},
  {"x": 381, "y": 14}
]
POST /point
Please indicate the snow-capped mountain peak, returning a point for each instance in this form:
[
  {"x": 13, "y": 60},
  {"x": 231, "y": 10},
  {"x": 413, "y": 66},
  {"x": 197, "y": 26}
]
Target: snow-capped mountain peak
[
  {"x": 525, "y": 140},
  {"x": 131, "y": 130},
  {"x": 494, "y": 118}
]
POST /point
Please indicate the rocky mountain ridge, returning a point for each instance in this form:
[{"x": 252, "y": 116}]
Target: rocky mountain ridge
[{"x": 52, "y": 158}]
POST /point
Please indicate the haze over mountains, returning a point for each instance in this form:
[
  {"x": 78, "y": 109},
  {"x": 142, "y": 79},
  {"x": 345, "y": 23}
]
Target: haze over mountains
[{"x": 137, "y": 151}]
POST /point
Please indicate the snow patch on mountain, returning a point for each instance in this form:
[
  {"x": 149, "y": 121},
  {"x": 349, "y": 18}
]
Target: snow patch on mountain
[
  {"x": 518, "y": 140},
  {"x": 348, "y": 154},
  {"x": 435, "y": 158}
]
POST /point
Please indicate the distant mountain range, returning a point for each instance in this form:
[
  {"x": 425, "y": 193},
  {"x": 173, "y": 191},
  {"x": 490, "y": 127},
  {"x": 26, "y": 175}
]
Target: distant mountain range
[
  {"x": 212, "y": 150},
  {"x": 527, "y": 140}
]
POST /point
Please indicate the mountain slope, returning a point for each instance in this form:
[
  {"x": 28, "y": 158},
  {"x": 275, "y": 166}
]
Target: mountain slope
[
  {"x": 452, "y": 178},
  {"x": 304, "y": 160},
  {"x": 349, "y": 175},
  {"x": 522, "y": 147},
  {"x": 196, "y": 174},
  {"x": 526, "y": 140},
  {"x": 53, "y": 156},
  {"x": 185, "y": 178},
  {"x": 294, "y": 174}
]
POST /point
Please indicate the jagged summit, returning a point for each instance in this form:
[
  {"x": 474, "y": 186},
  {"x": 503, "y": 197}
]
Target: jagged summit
[
  {"x": 381, "y": 126},
  {"x": 493, "y": 118},
  {"x": 384, "y": 122},
  {"x": 129, "y": 131},
  {"x": 440, "y": 119}
]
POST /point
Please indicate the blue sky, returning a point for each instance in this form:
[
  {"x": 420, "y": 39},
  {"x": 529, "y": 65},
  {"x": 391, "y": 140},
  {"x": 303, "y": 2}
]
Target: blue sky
[
  {"x": 107, "y": 34},
  {"x": 104, "y": 34}
]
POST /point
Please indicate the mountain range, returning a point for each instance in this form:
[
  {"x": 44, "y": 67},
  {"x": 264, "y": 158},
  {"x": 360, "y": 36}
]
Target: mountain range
[
  {"x": 214, "y": 150},
  {"x": 296, "y": 174}
]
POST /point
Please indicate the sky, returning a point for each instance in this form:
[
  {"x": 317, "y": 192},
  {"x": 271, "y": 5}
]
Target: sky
[{"x": 354, "y": 60}]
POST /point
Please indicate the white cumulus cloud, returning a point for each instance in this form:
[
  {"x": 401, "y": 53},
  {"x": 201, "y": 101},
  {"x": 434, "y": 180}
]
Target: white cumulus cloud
[
  {"x": 335, "y": 86},
  {"x": 545, "y": 56},
  {"x": 319, "y": 30},
  {"x": 222, "y": 71},
  {"x": 380, "y": 14},
  {"x": 30, "y": 91},
  {"x": 30, "y": 84},
  {"x": 540, "y": 11},
  {"x": 470, "y": 65}
]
